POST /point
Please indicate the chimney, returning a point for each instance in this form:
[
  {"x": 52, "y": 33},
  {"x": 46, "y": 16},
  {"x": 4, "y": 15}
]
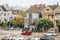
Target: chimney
[
  {"x": 57, "y": 4},
  {"x": 44, "y": 5}
]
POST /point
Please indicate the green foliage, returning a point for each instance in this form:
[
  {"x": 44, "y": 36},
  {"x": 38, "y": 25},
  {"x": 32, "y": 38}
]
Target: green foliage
[
  {"x": 19, "y": 19},
  {"x": 4, "y": 23},
  {"x": 1, "y": 24},
  {"x": 17, "y": 22},
  {"x": 58, "y": 24},
  {"x": 44, "y": 23}
]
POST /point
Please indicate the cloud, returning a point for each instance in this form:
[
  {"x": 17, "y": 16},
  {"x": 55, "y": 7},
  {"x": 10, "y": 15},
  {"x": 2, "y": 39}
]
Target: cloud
[{"x": 28, "y": 2}]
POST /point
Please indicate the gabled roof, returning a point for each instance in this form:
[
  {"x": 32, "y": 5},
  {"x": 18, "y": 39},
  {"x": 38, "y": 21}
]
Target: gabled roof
[
  {"x": 4, "y": 9},
  {"x": 57, "y": 9},
  {"x": 33, "y": 9},
  {"x": 53, "y": 6},
  {"x": 47, "y": 9},
  {"x": 41, "y": 6}
]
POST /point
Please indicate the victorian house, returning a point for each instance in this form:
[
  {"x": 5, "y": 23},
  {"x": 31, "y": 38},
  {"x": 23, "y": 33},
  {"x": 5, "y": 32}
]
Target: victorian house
[
  {"x": 32, "y": 14},
  {"x": 57, "y": 15},
  {"x": 5, "y": 14},
  {"x": 48, "y": 12}
]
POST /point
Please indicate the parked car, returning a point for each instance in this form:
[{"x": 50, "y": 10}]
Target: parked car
[
  {"x": 17, "y": 28},
  {"x": 12, "y": 28},
  {"x": 46, "y": 38},
  {"x": 26, "y": 33},
  {"x": 35, "y": 38},
  {"x": 51, "y": 33},
  {"x": 7, "y": 28}
]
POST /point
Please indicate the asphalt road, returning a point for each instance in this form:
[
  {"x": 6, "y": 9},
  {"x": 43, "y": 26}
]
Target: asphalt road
[{"x": 18, "y": 32}]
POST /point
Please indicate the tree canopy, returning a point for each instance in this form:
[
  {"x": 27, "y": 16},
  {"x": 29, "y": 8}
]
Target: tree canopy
[
  {"x": 19, "y": 19},
  {"x": 58, "y": 24},
  {"x": 44, "y": 23}
]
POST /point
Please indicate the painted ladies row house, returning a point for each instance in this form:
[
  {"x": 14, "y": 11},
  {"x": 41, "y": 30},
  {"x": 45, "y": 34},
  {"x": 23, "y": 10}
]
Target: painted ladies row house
[
  {"x": 39, "y": 11},
  {"x": 32, "y": 14},
  {"x": 5, "y": 14},
  {"x": 48, "y": 12},
  {"x": 57, "y": 15}
]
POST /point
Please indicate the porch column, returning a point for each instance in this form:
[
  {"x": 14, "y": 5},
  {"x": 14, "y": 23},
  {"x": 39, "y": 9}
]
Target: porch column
[{"x": 25, "y": 22}]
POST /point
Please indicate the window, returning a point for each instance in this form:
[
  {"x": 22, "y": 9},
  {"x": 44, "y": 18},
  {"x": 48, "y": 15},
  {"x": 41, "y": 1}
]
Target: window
[
  {"x": 52, "y": 16},
  {"x": 40, "y": 15},
  {"x": 30, "y": 16},
  {"x": 35, "y": 16},
  {"x": 4, "y": 14},
  {"x": 57, "y": 21},
  {"x": 5, "y": 19},
  {"x": 11, "y": 17},
  {"x": 48, "y": 16},
  {"x": 47, "y": 9}
]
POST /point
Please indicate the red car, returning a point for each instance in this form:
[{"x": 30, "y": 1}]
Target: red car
[{"x": 26, "y": 33}]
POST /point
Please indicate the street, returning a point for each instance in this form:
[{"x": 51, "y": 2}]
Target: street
[{"x": 18, "y": 32}]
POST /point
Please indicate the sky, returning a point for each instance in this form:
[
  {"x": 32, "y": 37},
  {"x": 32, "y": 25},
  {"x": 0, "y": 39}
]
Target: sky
[{"x": 27, "y": 3}]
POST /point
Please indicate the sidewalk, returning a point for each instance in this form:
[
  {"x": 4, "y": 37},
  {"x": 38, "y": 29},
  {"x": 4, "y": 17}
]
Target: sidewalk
[
  {"x": 58, "y": 34},
  {"x": 38, "y": 33}
]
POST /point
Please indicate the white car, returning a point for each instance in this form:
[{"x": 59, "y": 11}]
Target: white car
[
  {"x": 35, "y": 38},
  {"x": 51, "y": 33}
]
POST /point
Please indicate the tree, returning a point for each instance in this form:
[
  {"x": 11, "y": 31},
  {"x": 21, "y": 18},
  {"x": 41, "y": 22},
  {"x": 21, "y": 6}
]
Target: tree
[
  {"x": 4, "y": 24},
  {"x": 58, "y": 25},
  {"x": 19, "y": 19},
  {"x": 17, "y": 22},
  {"x": 1, "y": 24},
  {"x": 44, "y": 23},
  {"x": 22, "y": 13}
]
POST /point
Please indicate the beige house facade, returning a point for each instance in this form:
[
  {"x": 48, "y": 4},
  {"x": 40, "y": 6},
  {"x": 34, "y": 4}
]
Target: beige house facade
[
  {"x": 57, "y": 15},
  {"x": 36, "y": 11},
  {"x": 48, "y": 12}
]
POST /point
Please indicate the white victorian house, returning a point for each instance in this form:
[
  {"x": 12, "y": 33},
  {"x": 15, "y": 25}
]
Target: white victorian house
[
  {"x": 32, "y": 14},
  {"x": 5, "y": 15}
]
